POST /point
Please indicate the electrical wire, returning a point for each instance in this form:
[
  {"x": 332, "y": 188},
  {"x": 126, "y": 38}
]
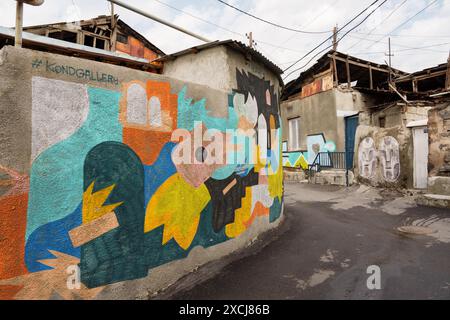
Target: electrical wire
[
  {"x": 384, "y": 20},
  {"x": 370, "y": 40},
  {"x": 311, "y": 21},
  {"x": 269, "y": 22},
  {"x": 318, "y": 46},
  {"x": 226, "y": 29},
  {"x": 404, "y": 22}
]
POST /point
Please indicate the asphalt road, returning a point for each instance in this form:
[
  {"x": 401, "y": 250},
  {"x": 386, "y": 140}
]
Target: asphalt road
[{"x": 330, "y": 237}]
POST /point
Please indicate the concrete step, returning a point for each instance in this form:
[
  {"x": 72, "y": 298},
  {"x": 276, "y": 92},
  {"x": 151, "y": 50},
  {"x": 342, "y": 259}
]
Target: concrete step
[
  {"x": 434, "y": 200},
  {"x": 332, "y": 177}
]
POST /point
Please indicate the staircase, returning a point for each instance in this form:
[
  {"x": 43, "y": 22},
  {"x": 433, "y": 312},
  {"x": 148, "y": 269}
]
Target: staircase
[
  {"x": 438, "y": 193},
  {"x": 330, "y": 168}
]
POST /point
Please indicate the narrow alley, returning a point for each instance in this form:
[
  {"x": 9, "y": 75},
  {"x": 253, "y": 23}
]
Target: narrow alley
[{"x": 329, "y": 239}]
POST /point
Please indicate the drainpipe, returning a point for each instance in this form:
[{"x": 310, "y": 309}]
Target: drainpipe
[{"x": 19, "y": 18}]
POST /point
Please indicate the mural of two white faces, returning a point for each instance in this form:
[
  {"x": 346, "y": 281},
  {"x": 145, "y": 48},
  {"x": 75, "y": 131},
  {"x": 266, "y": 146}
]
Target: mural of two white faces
[{"x": 388, "y": 154}]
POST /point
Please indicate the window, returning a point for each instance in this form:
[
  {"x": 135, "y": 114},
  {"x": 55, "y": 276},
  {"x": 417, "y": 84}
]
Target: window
[
  {"x": 382, "y": 122},
  {"x": 294, "y": 134},
  {"x": 88, "y": 41},
  {"x": 64, "y": 35},
  {"x": 100, "y": 43},
  {"x": 122, "y": 38}
]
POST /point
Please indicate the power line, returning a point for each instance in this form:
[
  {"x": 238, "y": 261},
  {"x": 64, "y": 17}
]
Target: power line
[
  {"x": 318, "y": 46},
  {"x": 411, "y": 48},
  {"x": 224, "y": 28},
  {"x": 370, "y": 40},
  {"x": 405, "y": 22},
  {"x": 385, "y": 19},
  {"x": 402, "y": 35},
  {"x": 312, "y": 20},
  {"x": 271, "y": 23}
]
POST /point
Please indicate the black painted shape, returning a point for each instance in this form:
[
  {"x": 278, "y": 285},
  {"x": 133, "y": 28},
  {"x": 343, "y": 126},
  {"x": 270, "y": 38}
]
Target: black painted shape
[
  {"x": 116, "y": 255},
  {"x": 257, "y": 87},
  {"x": 224, "y": 206}
]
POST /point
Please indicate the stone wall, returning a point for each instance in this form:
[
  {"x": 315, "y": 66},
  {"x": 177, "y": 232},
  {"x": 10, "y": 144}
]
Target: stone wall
[
  {"x": 439, "y": 149},
  {"x": 384, "y": 156}
]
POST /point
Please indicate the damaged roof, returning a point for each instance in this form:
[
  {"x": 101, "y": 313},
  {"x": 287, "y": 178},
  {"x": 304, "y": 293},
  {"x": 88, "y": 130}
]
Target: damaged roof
[
  {"x": 233, "y": 44},
  {"x": 356, "y": 66},
  {"x": 425, "y": 82},
  {"x": 101, "y": 20}
]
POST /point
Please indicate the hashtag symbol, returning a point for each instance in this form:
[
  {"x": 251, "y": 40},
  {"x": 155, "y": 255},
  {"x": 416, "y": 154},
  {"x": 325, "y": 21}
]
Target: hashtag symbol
[{"x": 36, "y": 63}]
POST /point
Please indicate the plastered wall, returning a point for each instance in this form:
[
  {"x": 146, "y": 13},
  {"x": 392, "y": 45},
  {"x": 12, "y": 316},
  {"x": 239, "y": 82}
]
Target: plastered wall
[{"x": 94, "y": 201}]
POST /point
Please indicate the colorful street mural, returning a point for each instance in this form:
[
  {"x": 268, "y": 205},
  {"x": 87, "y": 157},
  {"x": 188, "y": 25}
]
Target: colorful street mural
[
  {"x": 106, "y": 196},
  {"x": 297, "y": 159},
  {"x": 317, "y": 143}
]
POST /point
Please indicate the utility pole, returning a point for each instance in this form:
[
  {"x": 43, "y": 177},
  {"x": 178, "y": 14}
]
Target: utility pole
[
  {"x": 390, "y": 55},
  {"x": 19, "y": 18},
  {"x": 113, "y": 35},
  {"x": 447, "y": 78},
  {"x": 19, "y": 24},
  {"x": 125, "y": 5},
  {"x": 251, "y": 42},
  {"x": 335, "y": 41}
]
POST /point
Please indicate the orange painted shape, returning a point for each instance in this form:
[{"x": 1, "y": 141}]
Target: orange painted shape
[
  {"x": 146, "y": 144},
  {"x": 8, "y": 292},
  {"x": 169, "y": 101},
  {"x": 13, "y": 215},
  {"x": 258, "y": 211}
]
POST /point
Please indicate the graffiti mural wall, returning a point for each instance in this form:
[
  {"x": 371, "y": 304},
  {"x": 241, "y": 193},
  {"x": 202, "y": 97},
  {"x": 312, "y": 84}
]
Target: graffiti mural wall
[
  {"x": 384, "y": 156},
  {"x": 123, "y": 181}
]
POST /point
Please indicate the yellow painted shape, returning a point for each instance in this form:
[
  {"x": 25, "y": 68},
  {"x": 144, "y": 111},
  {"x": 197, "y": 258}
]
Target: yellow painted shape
[
  {"x": 93, "y": 203},
  {"x": 276, "y": 182},
  {"x": 177, "y": 205},
  {"x": 241, "y": 216},
  {"x": 301, "y": 162}
]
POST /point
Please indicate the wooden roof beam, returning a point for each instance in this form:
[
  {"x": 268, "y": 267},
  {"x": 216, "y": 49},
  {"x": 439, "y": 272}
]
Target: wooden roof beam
[{"x": 359, "y": 64}]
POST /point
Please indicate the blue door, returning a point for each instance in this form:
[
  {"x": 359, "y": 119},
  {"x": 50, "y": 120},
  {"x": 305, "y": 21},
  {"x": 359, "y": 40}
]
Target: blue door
[{"x": 350, "y": 130}]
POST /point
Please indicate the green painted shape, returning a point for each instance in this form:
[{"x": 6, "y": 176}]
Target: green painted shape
[
  {"x": 117, "y": 255},
  {"x": 56, "y": 179}
]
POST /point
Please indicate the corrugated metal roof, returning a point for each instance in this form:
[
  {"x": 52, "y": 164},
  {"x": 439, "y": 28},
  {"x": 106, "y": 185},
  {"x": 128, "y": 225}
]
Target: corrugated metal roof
[{"x": 236, "y": 45}]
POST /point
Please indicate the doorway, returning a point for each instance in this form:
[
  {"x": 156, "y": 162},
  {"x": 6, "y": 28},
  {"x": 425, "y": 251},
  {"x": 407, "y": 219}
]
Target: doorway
[
  {"x": 351, "y": 123},
  {"x": 420, "y": 141}
]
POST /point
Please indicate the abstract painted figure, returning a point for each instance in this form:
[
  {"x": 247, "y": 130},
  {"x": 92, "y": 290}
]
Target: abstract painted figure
[
  {"x": 389, "y": 159},
  {"x": 367, "y": 156}
]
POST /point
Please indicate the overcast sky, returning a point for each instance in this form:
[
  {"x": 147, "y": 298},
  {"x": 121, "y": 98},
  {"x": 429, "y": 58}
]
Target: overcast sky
[{"x": 430, "y": 29}]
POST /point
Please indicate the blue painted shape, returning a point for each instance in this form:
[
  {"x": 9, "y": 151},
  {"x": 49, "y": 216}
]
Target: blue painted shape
[
  {"x": 156, "y": 174},
  {"x": 189, "y": 112},
  {"x": 56, "y": 179},
  {"x": 51, "y": 236}
]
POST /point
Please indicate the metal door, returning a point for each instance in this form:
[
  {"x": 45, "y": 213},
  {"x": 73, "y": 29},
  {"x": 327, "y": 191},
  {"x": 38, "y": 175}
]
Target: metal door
[
  {"x": 420, "y": 137},
  {"x": 351, "y": 123}
]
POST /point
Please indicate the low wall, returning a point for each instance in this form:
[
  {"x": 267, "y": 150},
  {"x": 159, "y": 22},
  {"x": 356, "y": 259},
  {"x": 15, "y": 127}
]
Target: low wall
[
  {"x": 111, "y": 185},
  {"x": 383, "y": 156}
]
